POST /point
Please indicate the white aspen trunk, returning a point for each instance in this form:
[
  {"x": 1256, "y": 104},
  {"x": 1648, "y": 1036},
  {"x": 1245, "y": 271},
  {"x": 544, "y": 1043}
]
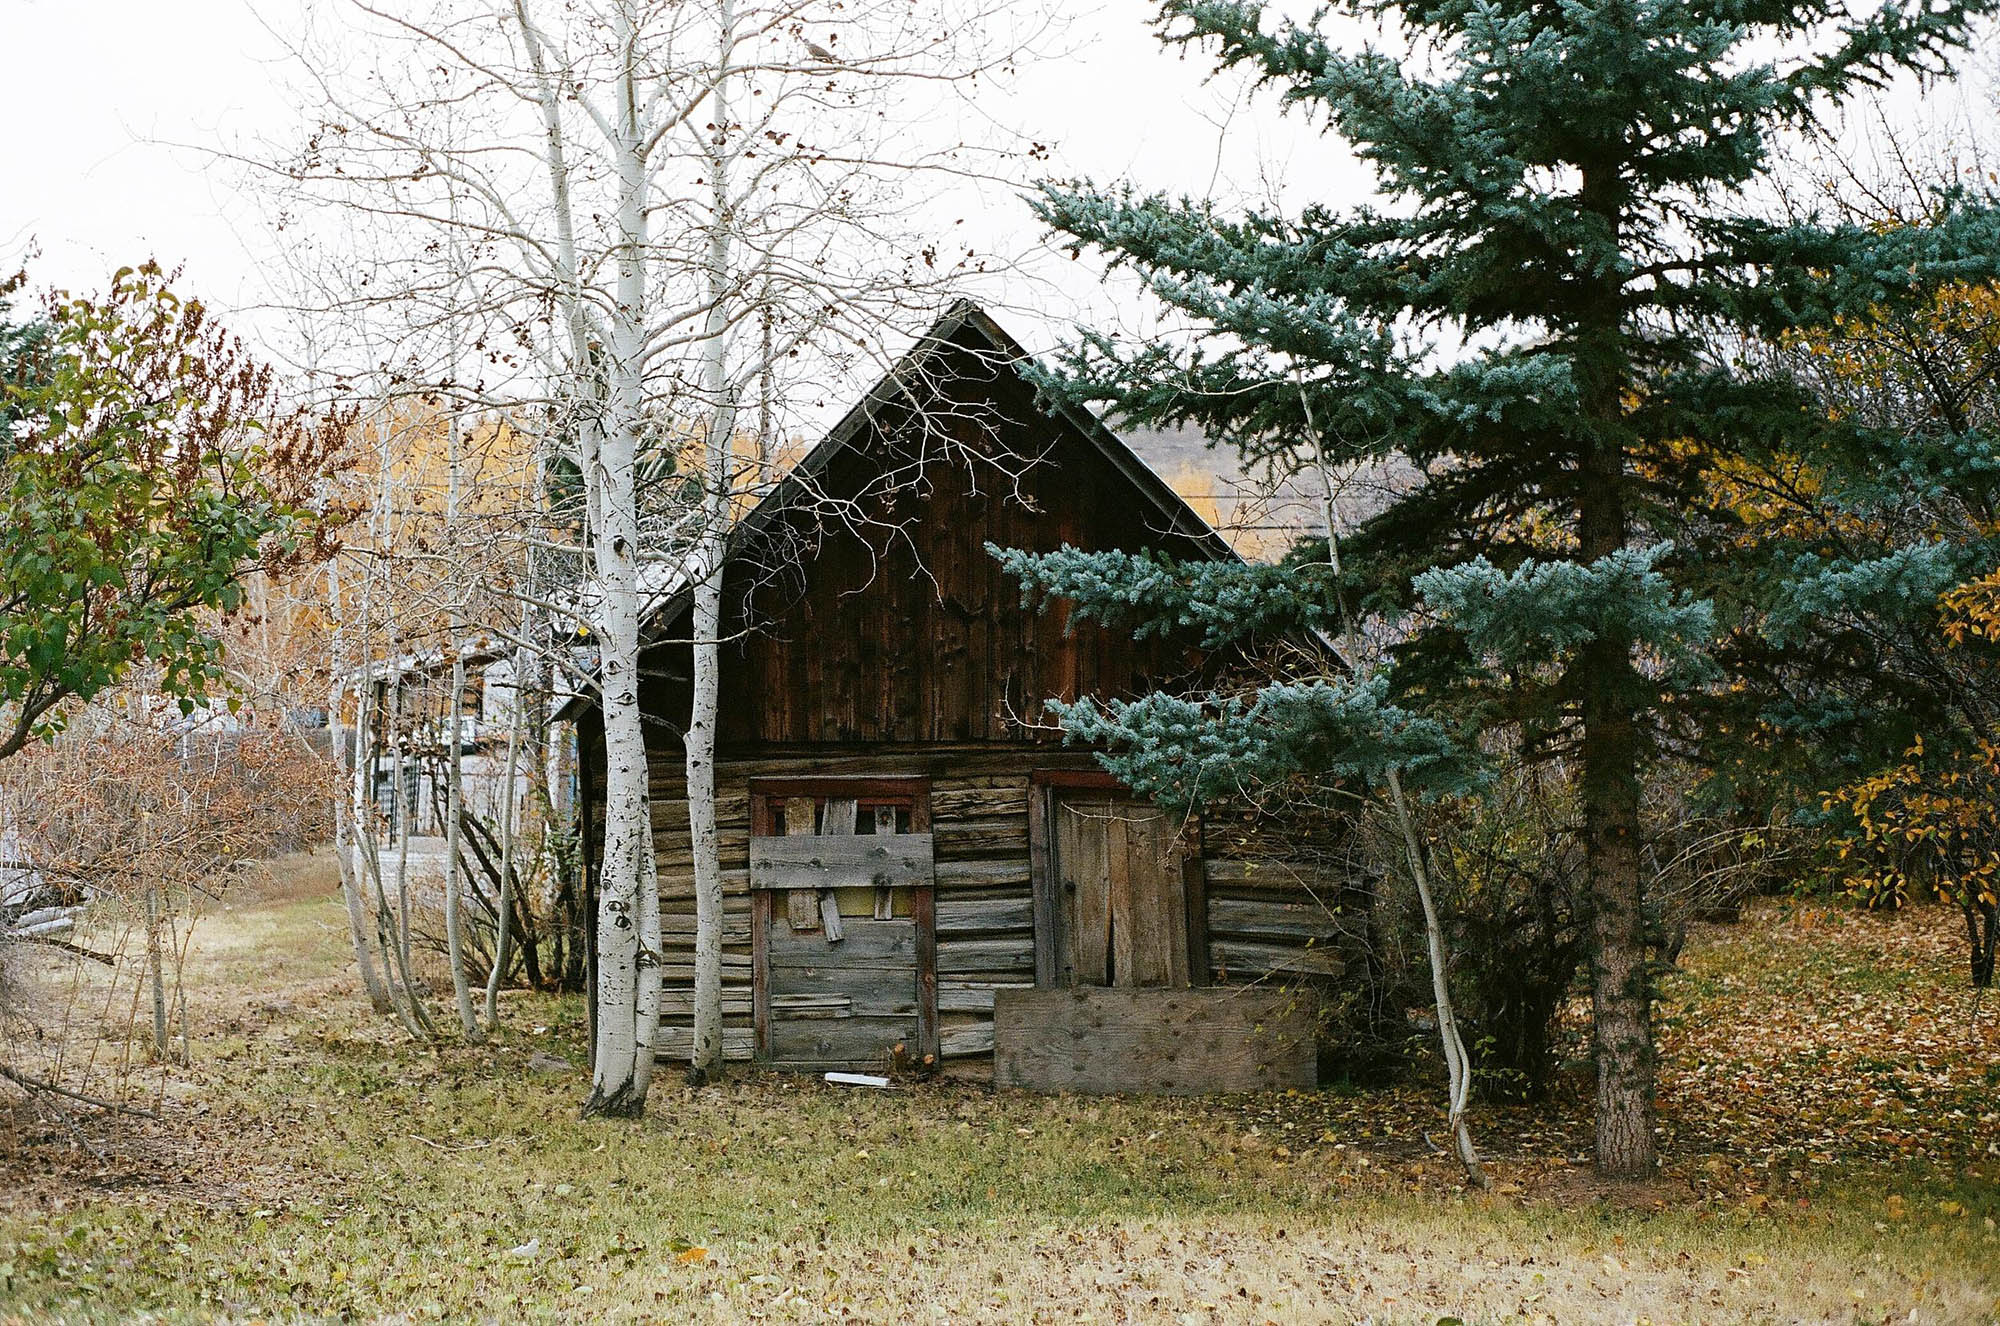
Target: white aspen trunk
[
  {"x": 454, "y": 933},
  {"x": 616, "y": 1003},
  {"x": 1457, "y": 1064},
  {"x": 503, "y": 942},
  {"x": 347, "y": 804},
  {"x": 400, "y": 825},
  {"x": 347, "y": 850},
  {"x": 707, "y": 570},
  {"x": 402, "y": 997},
  {"x": 626, "y": 948}
]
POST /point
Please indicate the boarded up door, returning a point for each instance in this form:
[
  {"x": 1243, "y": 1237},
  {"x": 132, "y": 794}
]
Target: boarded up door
[
  {"x": 844, "y": 939},
  {"x": 1122, "y": 897}
]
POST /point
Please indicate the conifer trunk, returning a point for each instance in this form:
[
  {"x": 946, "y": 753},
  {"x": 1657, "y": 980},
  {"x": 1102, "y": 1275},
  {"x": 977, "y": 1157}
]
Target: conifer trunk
[
  {"x": 1620, "y": 977},
  {"x": 1609, "y": 687}
]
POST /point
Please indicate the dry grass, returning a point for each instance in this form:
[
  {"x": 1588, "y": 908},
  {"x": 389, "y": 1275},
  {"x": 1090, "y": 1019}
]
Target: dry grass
[{"x": 312, "y": 1166}]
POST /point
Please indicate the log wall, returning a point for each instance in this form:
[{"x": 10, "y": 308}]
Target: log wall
[{"x": 1275, "y": 911}]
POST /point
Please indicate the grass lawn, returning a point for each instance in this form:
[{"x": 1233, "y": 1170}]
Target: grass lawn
[{"x": 1831, "y": 1105}]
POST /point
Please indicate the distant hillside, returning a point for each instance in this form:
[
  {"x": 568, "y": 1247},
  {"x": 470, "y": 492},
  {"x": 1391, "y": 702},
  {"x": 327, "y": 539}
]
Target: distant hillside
[{"x": 1261, "y": 519}]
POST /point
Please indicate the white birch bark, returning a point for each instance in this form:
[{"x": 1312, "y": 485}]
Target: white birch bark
[
  {"x": 454, "y": 933},
  {"x": 1457, "y": 1063},
  {"x": 628, "y": 921},
  {"x": 706, "y": 578},
  {"x": 347, "y": 852},
  {"x": 503, "y": 940}
]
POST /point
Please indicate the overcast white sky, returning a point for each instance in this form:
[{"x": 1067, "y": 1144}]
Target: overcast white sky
[{"x": 96, "y": 91}]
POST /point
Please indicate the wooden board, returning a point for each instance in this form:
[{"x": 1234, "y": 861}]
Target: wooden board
[
  {"x": 966, "y": 1041},
  {"x": 1122, "y": 904},
  {"x": 677, "y": 928},
  {"x": 869, "y": 991},
  {"x": 971, "y": 916},
  {"x": 960, "y": 956},
  {"x": 865, "y": 942},
  {"x": 1261, "y": 918},
  {"x": 1241, "y": 960},
  {"x": 680, "y": 1003},
  {"x": 843, "y": 860},
  {"x": 970, "y": 839},
  {"x": 828, "y": 1042},
  {"x": 981, "y": 802},
  {"x": 1103, "y": 1040},
  {"x": 981, "y": 874},
  {"x": 676, "y": 1044},
  {"x": 959, "y": 996}
]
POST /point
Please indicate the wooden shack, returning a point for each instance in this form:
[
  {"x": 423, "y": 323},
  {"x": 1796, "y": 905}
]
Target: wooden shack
[{"x": 902, "y": 835}]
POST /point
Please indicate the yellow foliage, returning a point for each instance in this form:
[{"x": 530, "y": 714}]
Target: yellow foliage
[{"x": 1929, "y": 825}]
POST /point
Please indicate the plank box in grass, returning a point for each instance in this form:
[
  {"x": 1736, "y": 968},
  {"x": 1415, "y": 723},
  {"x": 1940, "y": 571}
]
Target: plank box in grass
[{"x": 1101, "y": 1040}]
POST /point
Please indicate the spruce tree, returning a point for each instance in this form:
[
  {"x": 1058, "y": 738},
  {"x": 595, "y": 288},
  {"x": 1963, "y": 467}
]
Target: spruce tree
[{"x": 1567, "y": 226}]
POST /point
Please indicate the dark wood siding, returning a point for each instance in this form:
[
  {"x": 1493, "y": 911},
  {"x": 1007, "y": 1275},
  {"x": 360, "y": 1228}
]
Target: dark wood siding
[{"x": 882, "y": 618}]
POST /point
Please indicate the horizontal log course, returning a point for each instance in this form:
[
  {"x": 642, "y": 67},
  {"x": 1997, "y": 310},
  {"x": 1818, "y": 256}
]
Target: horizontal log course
[
  {"x": 1094, "y": 1039},
  {"x": 679, "y": 968},
  {"x": 972, "y": 916},
  {"x": 1261, "y": 918},
  {"x": 1269, "y": 874},
  {"x": 953, "y": 764},
  {"x": 1240, "y": 960},
  {"x": 677, "y": 929},
  {"x": 676, "y": 1044},
  {"x": 676, "y": 854},
  {"x": 965, "y": 1041},
  {"x": 966, "y": 803},
  {"x": 833, "y": 861},
  {"x": 1009, "y": 872},
  {"x": 962, "y": 957},
  {"x": 970, "y": 996},
  {"x": 679, "y": 1003},
  {"x": 856, "y": 1042},
  {"x": 866, "y": 991},
  {"x": 678, "y": 885},
  {"x": 960, "y": 840},
  {"x": 865, "y": 942},
  {"x": 670, "y": 813}
]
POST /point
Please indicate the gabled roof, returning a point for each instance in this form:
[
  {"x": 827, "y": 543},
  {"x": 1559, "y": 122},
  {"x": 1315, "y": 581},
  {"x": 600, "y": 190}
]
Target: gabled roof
[{"x": 964, "y": 325}]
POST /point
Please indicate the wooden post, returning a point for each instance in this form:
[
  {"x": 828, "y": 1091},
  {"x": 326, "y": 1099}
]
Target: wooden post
[
  {"x": 923, "y": 911},
  {"x": 885, "y": 822},
  {"x": 1041, "y": 880},
  {"x": 1194, "y": 886},
  {"x": 761, "y": 915}
]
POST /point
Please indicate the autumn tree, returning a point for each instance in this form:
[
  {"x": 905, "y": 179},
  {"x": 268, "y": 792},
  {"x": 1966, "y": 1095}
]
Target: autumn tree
[
  {"x": 637, "y": 222},
  {"x": 1568, "y": 224},
  {"x": 149, "y": 465},
  {"x": 1864, "y": 657}
]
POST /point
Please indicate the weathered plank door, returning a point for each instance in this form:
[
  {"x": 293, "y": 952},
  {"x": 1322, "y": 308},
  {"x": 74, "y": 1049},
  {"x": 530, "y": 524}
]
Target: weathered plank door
[
  {"x": 844, "y": 933},
  {"x": 1122, "y": 893}
]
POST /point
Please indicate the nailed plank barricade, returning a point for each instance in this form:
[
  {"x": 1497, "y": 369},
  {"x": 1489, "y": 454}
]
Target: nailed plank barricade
[
  {"x": 882, "y": 672},
  {"x": 1105, "y": 1040}
]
